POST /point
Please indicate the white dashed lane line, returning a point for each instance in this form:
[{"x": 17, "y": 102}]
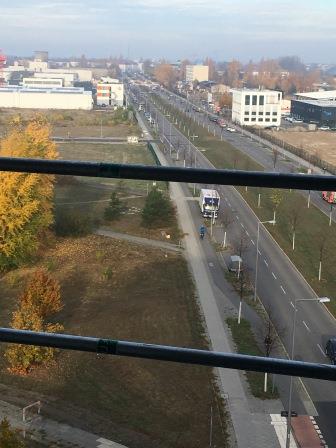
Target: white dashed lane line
[
  {"x": 307, "y": 328},
  {"x": 237, "y": 217},
  {"x": 282, "y": 289},
  {"x": 242, "y": 225},
  {"x": 259, "y": 252},
  {"x": 321, "y": 350},
  {"x": 274, "y": 276},
  {"x": 265, "y": 262},
  {"x": 252, "y": 242},
  {"x": 247, "y": 233},
  {"x": 292, "y": 304}
]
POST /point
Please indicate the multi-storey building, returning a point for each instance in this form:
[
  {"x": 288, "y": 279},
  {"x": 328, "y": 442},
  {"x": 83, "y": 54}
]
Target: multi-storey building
[
  {"x": 110, "y": 92},
  {"x": 197, "y": 73},
  {"x": 256, "y": 107}
]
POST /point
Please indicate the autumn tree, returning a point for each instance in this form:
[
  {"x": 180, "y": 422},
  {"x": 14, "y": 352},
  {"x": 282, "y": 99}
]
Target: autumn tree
[
  {"x": 212, "y": 68},
  {"x": 165, "y": 74},
  {"x": 276, "y": 197},
  {"x": 232, "y": 73},
  {"x": 25, "y": 198},
  {"x": 225, "y": 100},
  {"x": 9, "y": 437},
  {"x": 40, "y": 300}
]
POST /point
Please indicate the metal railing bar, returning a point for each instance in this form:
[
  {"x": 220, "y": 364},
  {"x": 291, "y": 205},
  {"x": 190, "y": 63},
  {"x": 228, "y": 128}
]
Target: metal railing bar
[
  {"x": 173, "y": 174},
  {"x": 170, "y": 353}
]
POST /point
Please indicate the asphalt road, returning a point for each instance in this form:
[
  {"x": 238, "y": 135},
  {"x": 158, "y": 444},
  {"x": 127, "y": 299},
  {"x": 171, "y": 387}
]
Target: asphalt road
[{"x": 279, "y": 282}]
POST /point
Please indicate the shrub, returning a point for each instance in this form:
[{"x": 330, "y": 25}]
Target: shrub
[
  {"x": 70, "y": 223},
  {"x": 158, "y": 210}
]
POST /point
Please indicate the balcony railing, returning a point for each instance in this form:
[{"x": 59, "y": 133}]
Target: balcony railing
[{"x": 160, "y": 352}]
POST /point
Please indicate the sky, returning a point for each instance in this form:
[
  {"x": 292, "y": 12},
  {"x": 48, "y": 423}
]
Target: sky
[{"x": 171, "y": 29}]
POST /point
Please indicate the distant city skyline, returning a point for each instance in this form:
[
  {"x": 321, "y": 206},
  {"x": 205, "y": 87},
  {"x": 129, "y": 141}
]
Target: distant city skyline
[{"x": 174, "y": 29}]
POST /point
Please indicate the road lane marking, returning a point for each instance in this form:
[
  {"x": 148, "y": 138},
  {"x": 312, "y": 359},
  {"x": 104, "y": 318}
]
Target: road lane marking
[
  {"x": 282, "y": 289},
  {"x": 211, "y": 264},
  {"x": 259, "y": 252},
  {"x": 229, "y": 204},
  {"x": 308, "y": 329},
  {"x": 274, "y": 276},
  {"x": 292, "y": 304},
  {"x": 226, "y": 199},
  {"x": 321, "y": 350},
  {"x": 242, "y": 225},
  {"x": 265, "y": 262},
  {"x": 247, "y": 233},
  {"x": 237, "y": 217},
  {"x": 252, "y": 242}
]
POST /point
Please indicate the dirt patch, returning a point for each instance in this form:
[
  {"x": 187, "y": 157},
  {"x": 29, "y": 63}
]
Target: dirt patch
[
  {"x": 147, "y": 296},
  {"x": 321, "y": 144}
]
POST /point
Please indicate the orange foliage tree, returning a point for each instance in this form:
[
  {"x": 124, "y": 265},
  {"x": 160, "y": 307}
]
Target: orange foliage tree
[
  {"x": 25, "y": 198},
  {"x": 40, "y": 300},
  {"x": 165, "y": 74}
]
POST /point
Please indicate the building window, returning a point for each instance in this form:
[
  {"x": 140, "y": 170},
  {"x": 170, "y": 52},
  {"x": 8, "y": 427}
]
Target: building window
[
  {"x": 279, "y": 96},
  {"x": 267, "y": 119},
  {"x": 254, "y": 100},
  {"x": 247, "y": 100},
  {"x": 253, "y": 119},
  {"x": 254, "y": 113},
  {"x": 260, "y": 119},
  {"x": 246, "y": 119},
  {"x": 268, "y": 113},
  {"x": 274, "y": 120},
  {"x": 275, "y": 113},
  {"x": 261, "y": 100},
  {"x": 246, "y": 112},
  {"x": 261, "y": 113}
]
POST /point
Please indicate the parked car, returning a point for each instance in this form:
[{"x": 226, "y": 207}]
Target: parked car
[
  {"x": 214, "y": 119},
  {"x": 324, "y": 128},
  {"x": 330, "y": 349},
  {"x": 231, "y": 129},
  {"x": 297, "y": 120}
]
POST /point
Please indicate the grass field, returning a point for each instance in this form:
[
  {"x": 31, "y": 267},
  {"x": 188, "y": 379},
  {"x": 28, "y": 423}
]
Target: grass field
[
  {"x": 147, "y": 296},
  {"x": 246, "y": 344},
  {"x": 312, "y": 225}
]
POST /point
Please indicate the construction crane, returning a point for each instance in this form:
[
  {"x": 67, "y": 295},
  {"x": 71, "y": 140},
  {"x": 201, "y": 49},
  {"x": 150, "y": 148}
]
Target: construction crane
[{"x": 2, "y": 65}]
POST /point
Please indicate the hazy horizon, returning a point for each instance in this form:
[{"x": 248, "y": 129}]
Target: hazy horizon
[{"x": 177, "y": 29}]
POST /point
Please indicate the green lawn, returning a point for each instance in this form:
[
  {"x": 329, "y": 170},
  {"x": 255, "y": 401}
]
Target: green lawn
[{"x": 246, "y": 344}]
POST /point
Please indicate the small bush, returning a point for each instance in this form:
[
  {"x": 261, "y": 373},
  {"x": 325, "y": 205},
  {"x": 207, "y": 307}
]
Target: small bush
[{"x": 72, "y": 223}]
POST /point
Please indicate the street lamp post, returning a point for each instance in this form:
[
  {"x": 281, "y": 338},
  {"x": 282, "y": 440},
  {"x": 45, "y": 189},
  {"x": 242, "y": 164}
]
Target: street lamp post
[
  {"x": 289, "y": 417},
  {"x": 257, "y": 256}
]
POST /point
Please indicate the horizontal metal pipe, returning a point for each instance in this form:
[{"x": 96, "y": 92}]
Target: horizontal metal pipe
[
  {"x": 169, "y": 353},
  {"x": 173, "y": 174}
]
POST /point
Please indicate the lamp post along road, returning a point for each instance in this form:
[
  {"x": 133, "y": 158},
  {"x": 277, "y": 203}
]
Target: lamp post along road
[
  {"x": 257, "y": 255},
  {"x": 289, "y": 417}
]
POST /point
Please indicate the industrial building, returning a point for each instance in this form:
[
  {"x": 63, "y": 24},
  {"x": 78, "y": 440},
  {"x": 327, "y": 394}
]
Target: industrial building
[
  {"x": 256, "y": 107},
  {"x": 110, "y": 92},
  {"x": 45, "y": 98},
  {"x": 320, "y": 112},
  {"x": 197, "y": 73},
  {"x": 43, "y": 83},
  {"x": 321, "y": 95}
]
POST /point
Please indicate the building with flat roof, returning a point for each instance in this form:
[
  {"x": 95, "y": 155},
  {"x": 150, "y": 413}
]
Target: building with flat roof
[
  {"x": 110, "y": 92},
  {"x": 321, "y": 95},
  {"x": 321, "y": 112},
  {"x": 256, "y": 107},
  {"x": 42, "y": 82},
  {"x": 68, "y": 78},
  {"x": 45, "y": 98},
  {"x": 197, "y": 73}
]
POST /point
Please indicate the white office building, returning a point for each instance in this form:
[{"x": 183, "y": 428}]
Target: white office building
[
  {"x": 47, "y": 98},
  {"x": 43, "y": 83},
  {"x": 110, "y": 92},
  {"x": 68, "y": 78},
  {"x": 197, "y": 73},
  {"x": 256, "y": 107}
]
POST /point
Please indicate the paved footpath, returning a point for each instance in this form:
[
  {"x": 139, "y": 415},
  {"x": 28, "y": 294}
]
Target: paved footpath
[
  {"x": 52, "y": 433},
  {"x": 252, "y": 429},
  {"x": 138, "y": 239}
]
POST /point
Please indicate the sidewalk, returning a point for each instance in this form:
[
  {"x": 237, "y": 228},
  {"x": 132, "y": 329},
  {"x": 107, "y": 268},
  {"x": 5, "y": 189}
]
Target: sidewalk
[
  {"x": 138, "y": 239},
  {"x": 252, "y": 428},
  {"x": 52, "y": 433}
]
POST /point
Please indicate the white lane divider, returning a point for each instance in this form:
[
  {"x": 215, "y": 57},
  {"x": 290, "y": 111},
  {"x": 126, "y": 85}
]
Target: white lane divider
[
  {"x": 259, "y": 252},
  {"x": 253, "y": 242},
  {"x": 321, "y": 350},
  {"x": 226, "y": 199},
  {"x": 282, "y": 289},
  {"x": 265, "y": 262},
  {"x": 274, "y": 276},
  {"x": 229, "y": 204},
  {"x": 237, "y": 217},
  {"x": 242, "y": 225},
  {"x": 292, "y": 304},
  {"x": 308, "y": 329},
  {"x": 247, "y": 233}
]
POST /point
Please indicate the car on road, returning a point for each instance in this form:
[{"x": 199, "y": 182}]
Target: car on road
[
  {"x": 324, "y": 128},
  {"x": 297, "y": 120},
  {"x": 231, "y": 129},
  {"x": 330, "y": 349},
  {"x": 214, "y": 119}
]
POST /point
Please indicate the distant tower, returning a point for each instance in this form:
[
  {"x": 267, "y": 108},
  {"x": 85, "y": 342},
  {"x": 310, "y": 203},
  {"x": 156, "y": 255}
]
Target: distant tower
[{"x": 2, "y": 65}]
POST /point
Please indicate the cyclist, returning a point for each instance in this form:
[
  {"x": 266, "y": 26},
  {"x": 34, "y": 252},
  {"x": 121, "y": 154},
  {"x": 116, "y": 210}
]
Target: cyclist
[{"x": 202, "y": 231}]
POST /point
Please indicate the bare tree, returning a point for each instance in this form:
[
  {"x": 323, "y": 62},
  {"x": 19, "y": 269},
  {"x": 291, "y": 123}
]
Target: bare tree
[
  {"x": 269, "y": 333},
  {"x": 276, "y": 197},
  {"x": 241, "y": 245},
  {"x": 243, "y": 287},
  {"x": 296, "y": 211},
  {"x": 275, "y": 156},
  {"x": 226, "y": 221},
  {"x": 322, "y": 245}
]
